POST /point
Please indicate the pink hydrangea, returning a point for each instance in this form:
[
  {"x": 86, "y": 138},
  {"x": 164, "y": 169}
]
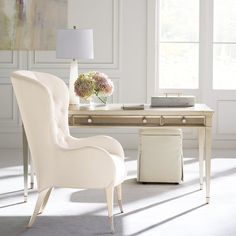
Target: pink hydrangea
[
  {"x": 84, "y": 87},
  {"x": 103, "y": 85},
  {"x": 93, "y": 83}
]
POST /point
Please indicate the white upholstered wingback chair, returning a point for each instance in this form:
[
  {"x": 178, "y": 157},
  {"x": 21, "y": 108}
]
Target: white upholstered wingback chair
[{"x": 61, "y": 160}]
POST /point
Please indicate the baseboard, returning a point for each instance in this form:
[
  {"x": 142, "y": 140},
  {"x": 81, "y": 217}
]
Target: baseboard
[
  {"x": 133, "y": 152},
  {"x": 193, "y": 153},
  {"x": 216, "y": 153}
]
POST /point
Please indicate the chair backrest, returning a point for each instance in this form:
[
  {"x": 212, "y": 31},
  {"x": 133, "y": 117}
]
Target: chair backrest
[{"x": 43, "y": 101}]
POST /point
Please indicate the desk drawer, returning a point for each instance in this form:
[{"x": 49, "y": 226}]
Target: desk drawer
[
  {"x": 149, "y": 121},
  {"x": 115, "y": 120},
  {"x": 182, "y": 120}
]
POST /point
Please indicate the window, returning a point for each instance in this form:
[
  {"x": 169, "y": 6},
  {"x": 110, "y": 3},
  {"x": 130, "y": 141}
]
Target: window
[
  {"x": 224, "y": 47},
  {"x": 178, "y": 54},
  {"x": 179, "y": 44}
]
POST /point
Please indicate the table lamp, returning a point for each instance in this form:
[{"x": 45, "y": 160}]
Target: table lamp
[{"x": 74, "y": 44}]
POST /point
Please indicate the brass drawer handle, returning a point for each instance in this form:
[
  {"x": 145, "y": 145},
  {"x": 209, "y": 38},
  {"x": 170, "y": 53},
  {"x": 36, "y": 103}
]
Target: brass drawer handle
[
  {"x": 184, "y": 121},
  {"x": 144, "y": 120}
]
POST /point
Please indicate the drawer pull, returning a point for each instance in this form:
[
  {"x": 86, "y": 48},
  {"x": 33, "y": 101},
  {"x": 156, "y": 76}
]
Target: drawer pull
[
  {"x": 144, "y": 120},
  {"x": 184, "y": 121},
  {"x": 90, "y": 120}
]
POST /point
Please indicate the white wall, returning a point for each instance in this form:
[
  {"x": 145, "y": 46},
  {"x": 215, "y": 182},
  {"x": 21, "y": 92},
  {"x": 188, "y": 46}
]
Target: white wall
[
  {"x": 120, "y": 51},
  {"x": 121, "y": 37}
]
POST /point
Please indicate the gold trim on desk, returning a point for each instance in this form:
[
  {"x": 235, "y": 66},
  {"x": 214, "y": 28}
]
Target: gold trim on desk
[
  {"x": 113, "y": 115},
  {"x": 143, "y": 121}
]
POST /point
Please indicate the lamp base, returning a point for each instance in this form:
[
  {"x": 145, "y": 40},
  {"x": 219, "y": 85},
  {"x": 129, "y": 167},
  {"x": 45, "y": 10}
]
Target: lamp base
[{"x": 73, "y": 76}]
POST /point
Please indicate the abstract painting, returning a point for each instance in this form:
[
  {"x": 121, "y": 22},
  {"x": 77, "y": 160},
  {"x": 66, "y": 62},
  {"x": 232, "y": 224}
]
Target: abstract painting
[{"x": 31, "y": 24}]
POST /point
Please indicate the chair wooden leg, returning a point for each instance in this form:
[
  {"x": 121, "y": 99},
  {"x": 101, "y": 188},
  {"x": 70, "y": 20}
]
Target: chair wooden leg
[
  {"x": 110, "y": 197},
  {"x": 45, "y": 201},
  {"x": 119, "y": 197},
  {"x": 39, "y": 203}
]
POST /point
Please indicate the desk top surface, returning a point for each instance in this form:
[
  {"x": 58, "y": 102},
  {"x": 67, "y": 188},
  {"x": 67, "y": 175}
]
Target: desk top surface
[{"x": 117, "y": 109}]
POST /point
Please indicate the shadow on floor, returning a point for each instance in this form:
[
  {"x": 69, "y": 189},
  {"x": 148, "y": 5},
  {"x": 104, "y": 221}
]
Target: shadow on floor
[{"x": 82, "y": 225}]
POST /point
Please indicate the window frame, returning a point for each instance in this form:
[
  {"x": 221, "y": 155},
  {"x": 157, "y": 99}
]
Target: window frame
[{"x": 205, "y": 51}]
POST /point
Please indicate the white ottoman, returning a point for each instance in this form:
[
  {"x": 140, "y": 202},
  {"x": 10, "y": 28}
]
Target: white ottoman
[{"x": 160, "y": 156}]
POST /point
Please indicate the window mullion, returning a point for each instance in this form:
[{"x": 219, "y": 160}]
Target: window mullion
[
  {"x": 153, "y": 10},
  {"x": 206, "y": 48}
]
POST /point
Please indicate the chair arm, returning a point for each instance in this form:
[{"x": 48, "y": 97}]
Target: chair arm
[
  {"x": 85, "y": 167},
  {"x": 108, "y": 143}
]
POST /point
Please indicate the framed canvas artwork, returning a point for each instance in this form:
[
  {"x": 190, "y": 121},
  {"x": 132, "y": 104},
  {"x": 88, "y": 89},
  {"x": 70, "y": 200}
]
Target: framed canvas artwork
[{"x": 31, "y": 24}]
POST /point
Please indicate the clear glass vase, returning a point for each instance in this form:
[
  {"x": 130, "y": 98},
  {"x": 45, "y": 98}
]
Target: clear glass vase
[{"x": 98, "y": 101}]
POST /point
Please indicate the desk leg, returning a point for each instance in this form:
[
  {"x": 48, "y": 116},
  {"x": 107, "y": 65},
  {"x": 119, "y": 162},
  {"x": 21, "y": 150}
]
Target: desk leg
[
  {"x": 201, "y": 143},
  {"x": 31, "y": 170},
  {"x": 25, "y": 163},
  {"x": 208, "y": 143}
]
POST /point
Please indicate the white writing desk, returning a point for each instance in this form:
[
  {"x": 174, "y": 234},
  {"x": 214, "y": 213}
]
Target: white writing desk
[{"x": 199, "y": 116}]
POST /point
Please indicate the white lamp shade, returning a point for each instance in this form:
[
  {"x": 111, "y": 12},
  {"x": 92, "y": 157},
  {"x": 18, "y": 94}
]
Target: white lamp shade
[{"x": 75, "y": 44}]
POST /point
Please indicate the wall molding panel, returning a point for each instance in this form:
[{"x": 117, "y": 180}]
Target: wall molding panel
[
  {"x": 9, "y": 59},
  {"x": 225, "y": 120},
  {"x": 126, "y": 46},
  {"x": 47, "y": 59}
]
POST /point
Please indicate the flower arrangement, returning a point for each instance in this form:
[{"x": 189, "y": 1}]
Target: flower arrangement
[{"x": 93, "y": 83}]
